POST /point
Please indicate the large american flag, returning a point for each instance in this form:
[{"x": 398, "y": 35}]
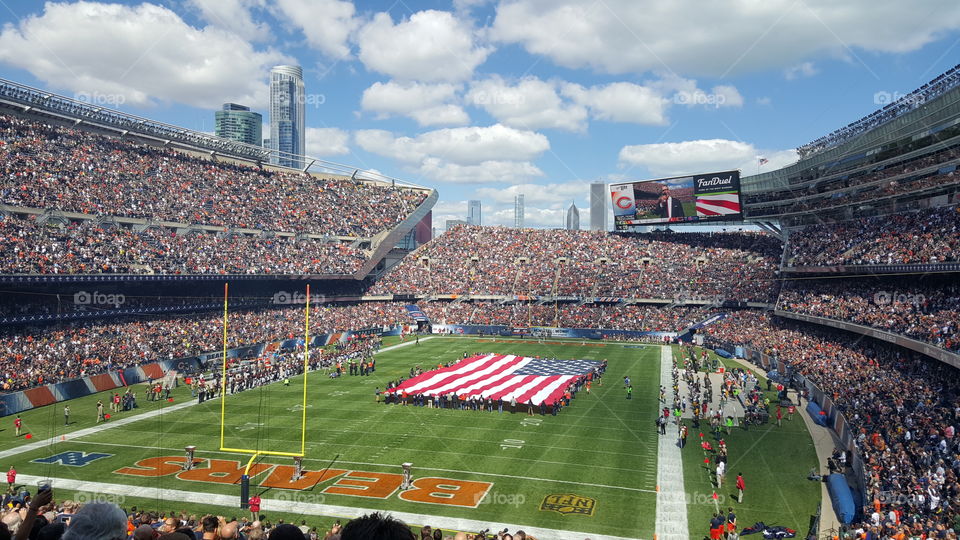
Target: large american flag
[{"x": 501, "y": 376}]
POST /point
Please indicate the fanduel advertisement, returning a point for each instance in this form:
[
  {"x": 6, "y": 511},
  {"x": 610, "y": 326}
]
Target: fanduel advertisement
[{"x": 691, "y": 199}]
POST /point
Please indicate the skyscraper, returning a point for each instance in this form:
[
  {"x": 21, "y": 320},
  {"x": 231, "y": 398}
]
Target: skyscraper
[
  {"x": 473, "y": 213},
  {"x": 239, "y": 123},
  {"x": 598, "y": 206},
  {"x": 287, "y": 112},
  {"x": 518, "y": 211},
  {"x": 573, "y": 218}
]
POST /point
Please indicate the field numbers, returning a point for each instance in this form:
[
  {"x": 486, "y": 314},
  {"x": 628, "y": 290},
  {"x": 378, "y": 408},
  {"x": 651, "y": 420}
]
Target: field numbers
[
  {"x": 511, "y": 443},
  {"x": 531, "y": 421}
]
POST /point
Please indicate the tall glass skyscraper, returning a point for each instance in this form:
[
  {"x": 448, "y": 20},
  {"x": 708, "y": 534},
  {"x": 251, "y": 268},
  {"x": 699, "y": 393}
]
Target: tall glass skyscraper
[
  {"x": 287, "y": 114},
  {"x": 473, "y": 213},
  {"x": 573, "y": 218},
  {"x": 598, "y": 206},
  {"x": 239, "y": 123}
]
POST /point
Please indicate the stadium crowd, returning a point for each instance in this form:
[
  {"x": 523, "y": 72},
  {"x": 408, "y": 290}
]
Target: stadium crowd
[
  {"x": 499, "y": 260},
  {"x": 54, "y": 167},
  {"x": 902, "y": 408},
  {"x": 924, "y": 313},
  {"x": 92, "y": 248},
  {"x": 41, "y": 517},
  {"x": 32, "y": 356},
  {"x": 869, "y": 175},
  {"x": 638, "y": 317},
  {"x": 921, "y": 237},
  {"x": 928, "y": 92}
]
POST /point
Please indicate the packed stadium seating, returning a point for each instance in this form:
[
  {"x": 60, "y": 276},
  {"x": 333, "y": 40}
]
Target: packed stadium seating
[
  {"x": 498, "y": 260},
  {"x": 927, "y": 313},
  {"x": 921, "y": 237},
  {"x": 51, "y": 167},
  {"x": 883, "y": 178},
  {"x": 92, "y": 248},
  {"x": 34, "y": 356},
  {"x": 901, "y": 404}
]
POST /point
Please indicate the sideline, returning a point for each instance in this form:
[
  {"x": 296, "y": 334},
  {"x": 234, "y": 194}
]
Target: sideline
[{"x": 300, "y": 507}]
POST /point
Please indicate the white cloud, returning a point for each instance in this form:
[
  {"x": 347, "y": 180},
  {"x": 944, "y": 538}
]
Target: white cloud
[
  {"x": 765, "y": 100},
  {"x": 534, "y": 194},
  {"x": 430, "y": 46},
  {"x": 687, "y": 157},
  {"x": 234, "y": 16},
  {"x": 803, "y": 69},
  {"x": 141, "y": 54},
  {"x": 683, "y": 91},
  {"x": 529, "y": 104},
  {"x": 327, "y": 24},
  {"x": 467, "y": 155},
  {"x": 621, "y": 102},
  {"x": 428, "y": 104},
  {"x": 326, "y": 142},
  {"x": 714, "y": 38}
]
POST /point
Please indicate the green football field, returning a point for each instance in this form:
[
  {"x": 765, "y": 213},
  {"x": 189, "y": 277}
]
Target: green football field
[{"x": 591, "y": 469}]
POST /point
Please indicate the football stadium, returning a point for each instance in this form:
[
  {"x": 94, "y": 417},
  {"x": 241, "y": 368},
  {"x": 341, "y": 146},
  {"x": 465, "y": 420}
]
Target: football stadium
[{"x": 210, "y": 337}]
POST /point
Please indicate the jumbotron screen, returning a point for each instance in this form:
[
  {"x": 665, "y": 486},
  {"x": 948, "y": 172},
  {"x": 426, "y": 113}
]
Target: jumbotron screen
[{"x": 696, "y": 198}]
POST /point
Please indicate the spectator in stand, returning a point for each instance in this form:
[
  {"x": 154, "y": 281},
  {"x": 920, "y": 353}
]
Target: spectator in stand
[
  {"x": 504, "y": 261},
  {"x": 927, "y": 313},
  {"x": 901, "y": 406},
  {"x": 921, "y": 237},
  {"x": 64, "y": 168}
]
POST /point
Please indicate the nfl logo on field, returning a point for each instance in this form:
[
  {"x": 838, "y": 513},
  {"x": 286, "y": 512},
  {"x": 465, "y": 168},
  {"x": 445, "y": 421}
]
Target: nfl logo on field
[{"x": 567, "y": 503}]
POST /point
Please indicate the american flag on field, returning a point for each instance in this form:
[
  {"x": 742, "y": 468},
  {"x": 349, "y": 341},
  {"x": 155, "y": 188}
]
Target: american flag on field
[{"x": 500, "y": 376}]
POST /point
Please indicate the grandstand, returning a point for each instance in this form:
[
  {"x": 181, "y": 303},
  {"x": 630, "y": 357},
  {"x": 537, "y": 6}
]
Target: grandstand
[{"x": 118, "y": 233}]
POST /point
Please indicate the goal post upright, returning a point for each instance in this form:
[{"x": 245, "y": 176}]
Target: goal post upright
[
  {"x": 223, "y": 397},
  {"x": 306, "y": 369},
  {"x": 223, "y": 377}
]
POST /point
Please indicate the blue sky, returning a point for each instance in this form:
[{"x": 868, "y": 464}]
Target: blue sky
[{"x": 483, "y": 99}]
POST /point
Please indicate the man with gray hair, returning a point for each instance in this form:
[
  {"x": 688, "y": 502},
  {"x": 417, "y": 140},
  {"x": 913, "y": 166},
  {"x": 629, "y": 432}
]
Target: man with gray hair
[{"x": 97, "y": 521}]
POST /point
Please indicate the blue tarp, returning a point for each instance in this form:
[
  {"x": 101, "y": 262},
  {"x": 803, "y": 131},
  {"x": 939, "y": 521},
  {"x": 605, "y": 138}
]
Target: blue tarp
[
  {"x": 842, "y": 498},
  {"x": 814, "y": 410},
  {"x": 723, "y": 353}
]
